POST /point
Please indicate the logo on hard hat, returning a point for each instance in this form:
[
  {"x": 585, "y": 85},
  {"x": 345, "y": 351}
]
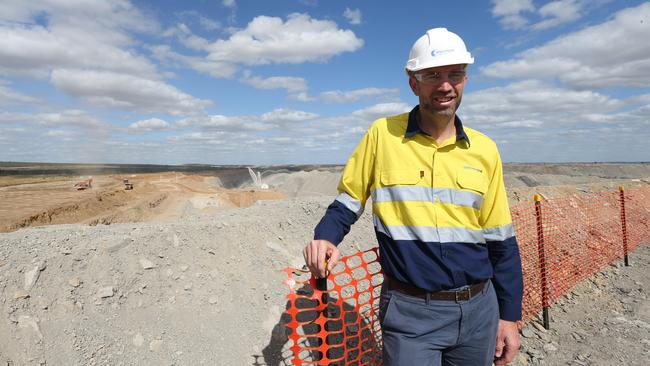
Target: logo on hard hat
[{"x": 435, "y": 53}]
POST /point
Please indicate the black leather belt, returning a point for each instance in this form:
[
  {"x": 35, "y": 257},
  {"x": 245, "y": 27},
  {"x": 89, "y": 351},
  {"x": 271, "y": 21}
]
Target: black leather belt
[{"x": 458, "y": 295}]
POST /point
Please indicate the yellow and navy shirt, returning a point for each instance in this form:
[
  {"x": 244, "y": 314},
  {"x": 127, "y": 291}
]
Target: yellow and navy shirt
[{"x": 440, "y": 211}]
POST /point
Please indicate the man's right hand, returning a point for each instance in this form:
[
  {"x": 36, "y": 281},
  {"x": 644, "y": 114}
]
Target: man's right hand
[{"x": 316, "y": 253}]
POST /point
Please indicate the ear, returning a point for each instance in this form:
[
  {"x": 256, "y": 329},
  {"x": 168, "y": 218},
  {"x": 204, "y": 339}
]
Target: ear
[{"x": 414, "y": 86}]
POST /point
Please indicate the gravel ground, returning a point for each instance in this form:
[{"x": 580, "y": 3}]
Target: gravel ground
[
  {"x": 203, "y": 290},
  {"x": 207, "y": 290}
]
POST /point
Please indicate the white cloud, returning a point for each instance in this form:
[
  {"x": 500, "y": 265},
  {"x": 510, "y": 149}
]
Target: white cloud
[
  {"x": 536, "y": 121},
  {"x": 148, "y": 125},
  {"x": 62, "y": 133},
  {"x": 302, "y": 97},
  {"x": 9, "y": 96},
  {"x": 95, "y": 14},
  {"x": 284, "y": 116},
  {"x": 203, "y": 136},
  {"x": 75, "y": 45},
  {"x": 518, "y": 14},
  {"x": 292, "y": 84},
  {"x": 109, "y": 89},
  {"x": 510, "y": 12},
  {"x": 640, "y": 99},
  {"x": 71, "y": 117},
  {"x": 68, "y": 117},
  {"x": 209, "y": 24},
  {"x": 611, "y": 54},
  {"x": 559, "y": 12},
  {"x": 12, "y": 117},
  {"x": 297, "y": 89},
  {"x": 353, "y": 16},
  {"x": 185, "y": 36},
  {"x": 534, "y": 104},
  {"x": 272, "y": 40},
  {"x": 219, "y": 122},
  {"x": 381, "y": 110},
  {"x": 229, "y": 3},
  {"x": 93, "y": 35},
  {"x": 265, "y": 40},
  {"x": 278, "y": 118},
  {"x": 338, "y": 96},
  {"x": 206, "y": 66},
  {"x": 194, "y": 16}
]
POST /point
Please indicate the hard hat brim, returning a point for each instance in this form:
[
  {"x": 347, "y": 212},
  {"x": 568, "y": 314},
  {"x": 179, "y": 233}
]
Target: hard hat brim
[{"x": 414, "y": 65}]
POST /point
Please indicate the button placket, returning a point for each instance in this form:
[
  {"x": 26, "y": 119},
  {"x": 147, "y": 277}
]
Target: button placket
[{"x": 434, "y": 196}]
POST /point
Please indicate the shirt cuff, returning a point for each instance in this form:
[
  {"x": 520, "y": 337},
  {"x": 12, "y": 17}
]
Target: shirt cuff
[{"x": 509, "y": 311}]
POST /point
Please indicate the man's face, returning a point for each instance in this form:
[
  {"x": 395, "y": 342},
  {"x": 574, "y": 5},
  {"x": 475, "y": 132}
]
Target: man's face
[{"x": 440, "y": 89}]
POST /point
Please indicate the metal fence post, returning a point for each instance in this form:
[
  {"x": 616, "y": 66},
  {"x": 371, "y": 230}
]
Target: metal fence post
[
  {"x": 542, "y": 259},
  {"x": 623, "y": 224}
]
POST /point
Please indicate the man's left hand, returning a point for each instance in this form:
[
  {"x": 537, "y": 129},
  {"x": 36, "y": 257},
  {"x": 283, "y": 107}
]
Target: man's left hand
[{"x": 507, "y": 342}]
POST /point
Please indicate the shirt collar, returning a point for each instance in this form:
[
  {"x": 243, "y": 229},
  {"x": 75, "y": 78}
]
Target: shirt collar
[{"x": 412, "y": 128}]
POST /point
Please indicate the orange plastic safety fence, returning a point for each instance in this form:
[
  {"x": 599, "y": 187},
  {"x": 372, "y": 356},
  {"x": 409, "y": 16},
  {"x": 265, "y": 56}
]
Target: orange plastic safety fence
[
  {"x": 580, "y": 235},
  {"x": 524, "y": 222},
  {"x": 339, "y": 325},
  {"x": 562, "y": 241}
]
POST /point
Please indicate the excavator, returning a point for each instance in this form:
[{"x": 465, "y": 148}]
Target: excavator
[{"x": 84, "y": 184}]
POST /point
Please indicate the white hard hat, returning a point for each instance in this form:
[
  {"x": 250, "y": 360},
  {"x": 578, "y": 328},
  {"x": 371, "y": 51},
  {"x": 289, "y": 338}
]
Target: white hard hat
[{"x": 438, "y": 47}]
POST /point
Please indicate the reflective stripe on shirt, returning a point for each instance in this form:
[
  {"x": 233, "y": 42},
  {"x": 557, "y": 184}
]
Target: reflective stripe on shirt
[
  {"x": 351, "y": 204},
  {"x": 499, "y": 233},
  {"x": 429, "y": 233},
  {"x": 427, "y": 194}
]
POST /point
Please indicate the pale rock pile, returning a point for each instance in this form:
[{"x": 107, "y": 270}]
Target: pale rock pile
[
  {"x": 306, "y": 184},
  {"x": 203, "y": 290}
]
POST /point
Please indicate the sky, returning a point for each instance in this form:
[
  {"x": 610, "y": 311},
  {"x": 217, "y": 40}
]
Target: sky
[{"x": 299, "y": 81}]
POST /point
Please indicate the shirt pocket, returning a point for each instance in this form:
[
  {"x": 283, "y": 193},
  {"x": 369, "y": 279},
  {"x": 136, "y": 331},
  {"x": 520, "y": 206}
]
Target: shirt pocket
[
  {"x": 473, "y": 180},
  {"x": 401, "y": 177}
]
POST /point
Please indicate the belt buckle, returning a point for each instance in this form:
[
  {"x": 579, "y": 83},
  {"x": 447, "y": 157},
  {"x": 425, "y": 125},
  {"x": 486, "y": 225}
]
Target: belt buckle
[{"x": 466, "y": 292}]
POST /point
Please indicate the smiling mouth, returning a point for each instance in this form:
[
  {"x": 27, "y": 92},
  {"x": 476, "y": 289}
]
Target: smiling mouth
[{"x": 444, "y": 100}]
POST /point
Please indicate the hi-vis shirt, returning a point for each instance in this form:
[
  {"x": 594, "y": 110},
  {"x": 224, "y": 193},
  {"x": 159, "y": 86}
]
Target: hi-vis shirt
[{"x": 440, "y": 212}]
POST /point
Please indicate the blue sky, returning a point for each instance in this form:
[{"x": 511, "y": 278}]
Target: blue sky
[{"x": 298, "y": 82}]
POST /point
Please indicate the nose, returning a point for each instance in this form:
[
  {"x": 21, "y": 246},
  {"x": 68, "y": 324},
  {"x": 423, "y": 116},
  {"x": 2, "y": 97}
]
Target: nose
[{"x": 445, "y": 85}]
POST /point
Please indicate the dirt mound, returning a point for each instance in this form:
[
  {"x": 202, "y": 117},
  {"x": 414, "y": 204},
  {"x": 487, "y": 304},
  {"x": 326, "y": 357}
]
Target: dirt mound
[
  {"x": 202, "y": 290},
  {"x": 306, "y": 184},
  {"x": 165, "y": 196}
]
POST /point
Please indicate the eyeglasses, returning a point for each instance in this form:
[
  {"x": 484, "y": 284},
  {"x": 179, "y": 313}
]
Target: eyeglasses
[{"x": 454, "y": 77}]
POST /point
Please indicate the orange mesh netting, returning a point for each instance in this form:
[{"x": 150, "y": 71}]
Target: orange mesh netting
[
  {"x": 562, "y": 241},
  {"x": 337, "y": 326}
]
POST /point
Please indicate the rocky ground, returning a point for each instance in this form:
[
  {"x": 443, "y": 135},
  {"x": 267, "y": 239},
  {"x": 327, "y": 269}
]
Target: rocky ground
[
  {"x": 603, "y": 321},
  {"x": 205, "y": 288}
]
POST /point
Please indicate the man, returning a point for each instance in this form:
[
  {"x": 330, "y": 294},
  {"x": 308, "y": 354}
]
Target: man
[{"x": 453, "y": 282}]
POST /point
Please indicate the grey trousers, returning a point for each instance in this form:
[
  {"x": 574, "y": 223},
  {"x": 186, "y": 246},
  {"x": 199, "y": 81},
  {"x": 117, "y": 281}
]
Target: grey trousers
[{"x": 424, "y": 332}]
